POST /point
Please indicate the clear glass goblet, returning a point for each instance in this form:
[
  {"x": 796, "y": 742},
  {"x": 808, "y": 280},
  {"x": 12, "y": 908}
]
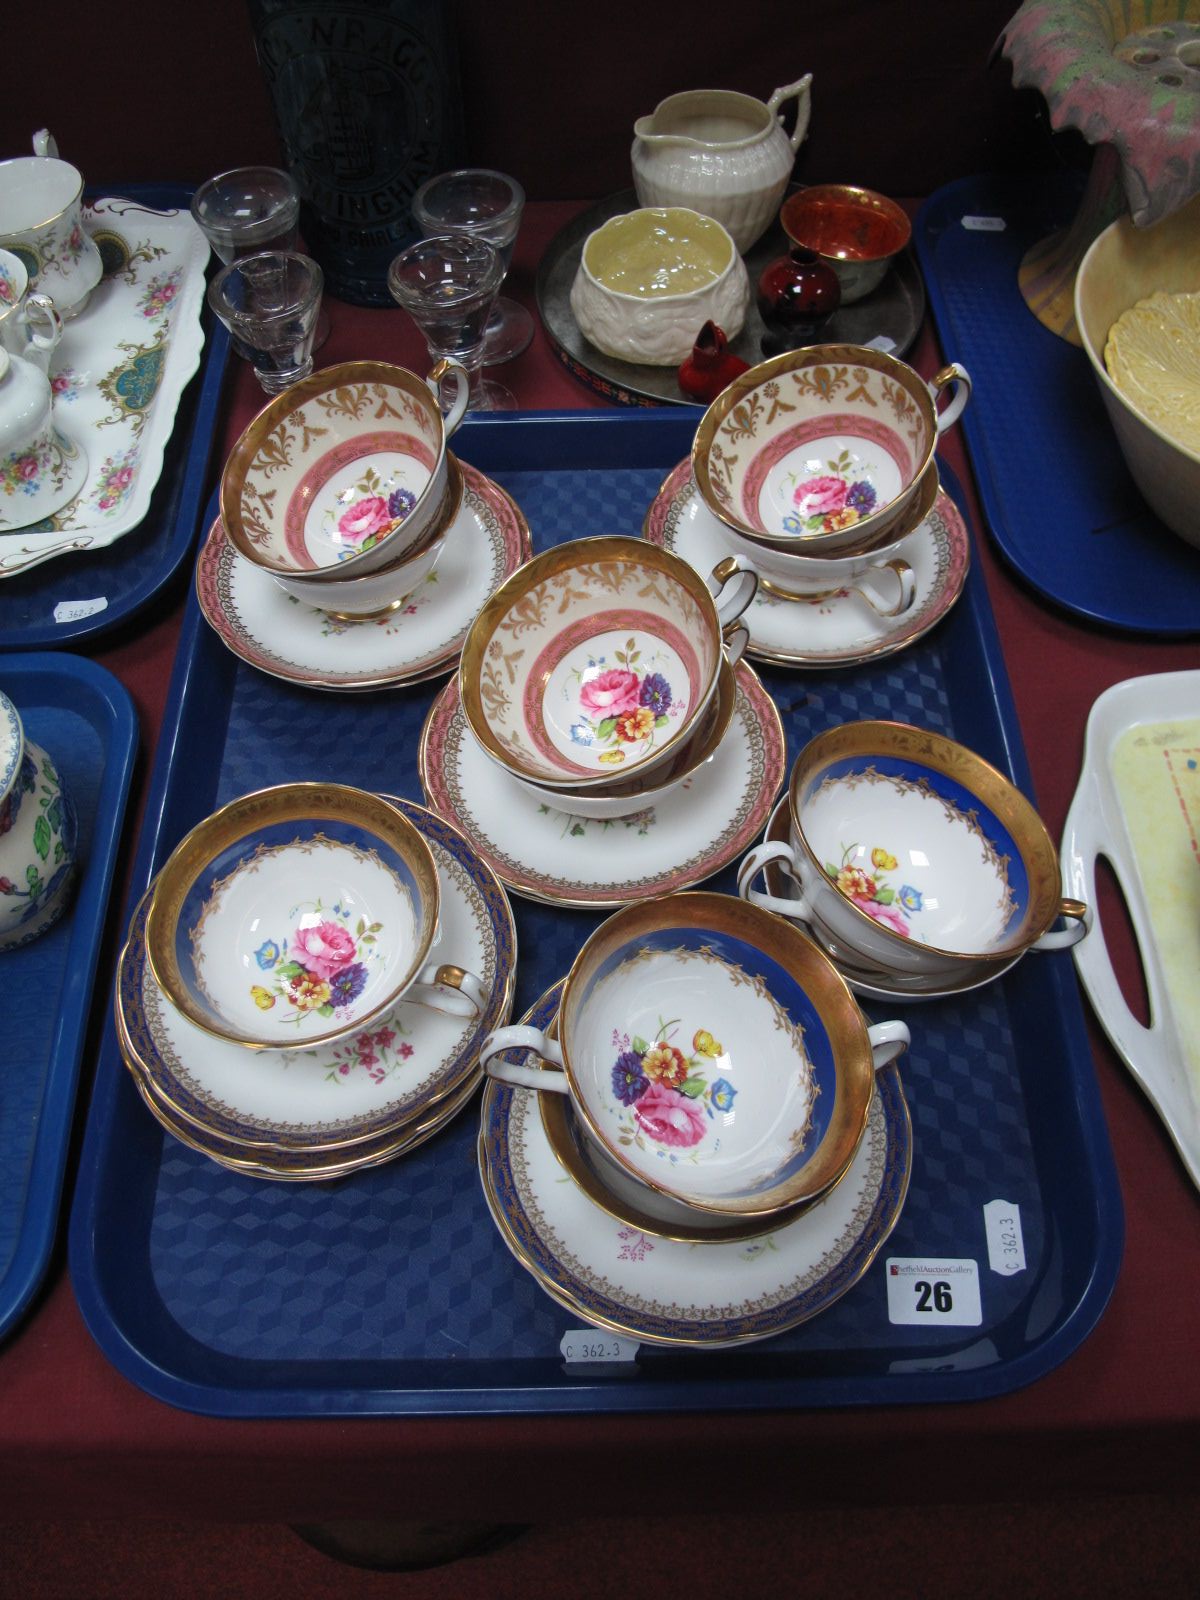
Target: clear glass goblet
[
  {"x": 448, "y": 286},
  {"x": 248, "y": 210},
  {"x": 269, "y": 302},
  {"x": 485, "y": 205}
]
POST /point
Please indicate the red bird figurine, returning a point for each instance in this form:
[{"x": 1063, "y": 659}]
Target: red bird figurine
[{"x": 710, "y": 367}]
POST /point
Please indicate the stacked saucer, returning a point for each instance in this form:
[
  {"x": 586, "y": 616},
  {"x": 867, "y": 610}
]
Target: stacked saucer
[{"x": 289, "y": 1057}]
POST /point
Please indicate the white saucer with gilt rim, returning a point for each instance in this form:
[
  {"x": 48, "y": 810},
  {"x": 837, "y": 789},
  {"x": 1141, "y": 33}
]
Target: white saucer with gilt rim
[
  {"x": 269, "y": 629},
  {"x": 834, "y": 630},
  {"x": 667, "y": 1291},
  {"x": 563, "y": 859}
]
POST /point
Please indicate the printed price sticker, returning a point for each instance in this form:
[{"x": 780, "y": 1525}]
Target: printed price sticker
[
  {"x": 984, "y": 224},
  {"x": 933, "y": 1294},
  {"x": 1005, "y": 1242},
  {"x": 588, "y": 1345},
  {"x": 76, "y": 610}
]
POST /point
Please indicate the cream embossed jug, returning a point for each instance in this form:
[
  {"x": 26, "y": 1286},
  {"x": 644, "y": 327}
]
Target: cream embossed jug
[{"x": 724, "y": 154}]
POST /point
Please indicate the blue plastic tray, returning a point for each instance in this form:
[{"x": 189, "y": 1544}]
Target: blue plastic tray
[
  {"x": 391, "y": 1291},
  {"x": 131, "y": 571},
  {"x": 84, "y": 719},
  {"x": 1058, "y": 497}
]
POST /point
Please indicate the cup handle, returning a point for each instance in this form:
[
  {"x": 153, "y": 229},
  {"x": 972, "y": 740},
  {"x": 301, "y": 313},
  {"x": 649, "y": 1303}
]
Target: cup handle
[
  {"x": 445, "y": 367},
  {"x": 888, "y": 1040},
  {"x": 960, "y": 378},
  {"x": 447, "y": 988},
  {"x": 520, "y": 1037},
  {"x": 737, "y": 637},
  {"x": 1079, "y": 920},
  {"x": 906, "y": 593},
  {"x": 47, "y": 315},
  {"x": 45, "y": 144},
  {"x": 732, "y": 586},
  {"x": 802, "y": 91},
  {"x": 753, "y": 863}
]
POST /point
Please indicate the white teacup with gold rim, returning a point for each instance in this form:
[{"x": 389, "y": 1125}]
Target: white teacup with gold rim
[
  {"x": 41, "y": 222},
  {"x": 714, "y": 1053},
  {"x": 596, "y": 658},
  {"x": 822, "y": 449},
  {"x": 343, "y": 472},
  {"x": 297, "y": 915},
  {"x": 915, "y": 857}
]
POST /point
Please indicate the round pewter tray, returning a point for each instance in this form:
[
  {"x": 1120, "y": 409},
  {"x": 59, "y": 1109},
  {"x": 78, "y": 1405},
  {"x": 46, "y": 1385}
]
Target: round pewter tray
[{"x": 894, "y": 312}]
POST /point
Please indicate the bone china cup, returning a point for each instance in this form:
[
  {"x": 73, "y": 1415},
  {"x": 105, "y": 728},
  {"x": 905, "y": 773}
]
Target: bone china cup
[
  {"x": 300, "y": 914},
  {"x": 715, "y": 1055},
  {"x": 41, "y": 222},
  {"x": 822, "y": 449},
  {"x": 915, "y": 858},
  {"x": 343, "y": 472},
  {"x": 595, "y": 659}
]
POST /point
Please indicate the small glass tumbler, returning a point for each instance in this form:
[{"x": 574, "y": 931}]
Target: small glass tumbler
[
  {"x": 485, "y": 205},
  {"x": 448, "y": 285},
  {"x": 269, "y": 302}
]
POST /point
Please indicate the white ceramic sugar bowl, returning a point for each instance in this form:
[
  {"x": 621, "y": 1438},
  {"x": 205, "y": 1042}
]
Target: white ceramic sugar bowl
[
  {"x": 37, "y": 835},
  {"x": 40, "y": 468}
]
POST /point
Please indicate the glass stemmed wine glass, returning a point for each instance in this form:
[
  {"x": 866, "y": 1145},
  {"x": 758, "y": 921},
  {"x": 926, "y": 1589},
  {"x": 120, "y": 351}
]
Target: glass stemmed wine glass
[
  {"x": 485, "y": 205},
  {"x": 269, "y": 302},
  {"x": 448, "y": 286}
]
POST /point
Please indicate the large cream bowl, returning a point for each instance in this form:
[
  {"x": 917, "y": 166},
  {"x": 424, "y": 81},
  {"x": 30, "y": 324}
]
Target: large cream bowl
[
  {"x": 649, "y": 280},
  {"x": 1124, "y": 266}
]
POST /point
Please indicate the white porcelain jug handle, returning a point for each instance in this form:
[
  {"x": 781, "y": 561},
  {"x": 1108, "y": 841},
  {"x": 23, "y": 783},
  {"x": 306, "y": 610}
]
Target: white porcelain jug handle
[
  {"x": 961, "y": 379},
  {"x": 1079, "y": 920},
  {"x": 802, "y": 90},
  {"x": 448, "y": 367},
  {"x": 45, "y": 144},
  {"x": 753, "y": 863},
  {"x": 449, "y": 989},
  {"x": 520, "y": 1037},
  {"x": 47, "y": 315},
  {"x": 888, "y": 1040},
  {"x": 732, "y": 586}
]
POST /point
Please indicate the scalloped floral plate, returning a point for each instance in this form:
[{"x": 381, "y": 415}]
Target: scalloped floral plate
[
  {"x": 118, "y": 374},
  {"x": 369, "y": 1087},
  {"x": 839, "y": 630},
  {"x": 666, "y": 1291},
  {"x": 269, "y": 629},
  {"x": 564, "y": 859}
]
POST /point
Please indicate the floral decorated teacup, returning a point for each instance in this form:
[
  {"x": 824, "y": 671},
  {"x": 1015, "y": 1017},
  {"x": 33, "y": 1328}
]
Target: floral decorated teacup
[
  {"x": 343, "y": 472},
  {"x": 29, "y": 324},
  {"x": 822, "y": 449},
  {"x": 915, "y": 857},
  {"x": 596, "y": 658},
  {"x": 298, "y": 915},
  {"x": 37, "y": 835},
  {"x": 375, "y": 594},
  {"x": 40, "y": 468},
  {"x": 712, "y": 1052},
  {"x": 41, "y": 222}
]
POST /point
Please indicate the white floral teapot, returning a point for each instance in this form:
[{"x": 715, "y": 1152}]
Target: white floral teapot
[
  {"x": 724, "y": 154},
  {"x": 37, "y": 835}
]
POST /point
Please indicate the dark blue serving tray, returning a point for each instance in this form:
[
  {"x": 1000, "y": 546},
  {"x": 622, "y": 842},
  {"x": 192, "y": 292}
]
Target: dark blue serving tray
[
  {"x": 130, "y": 572},
  {"x": 391, "y": 1291},
  {"x": 84, "y": 719},
  {"x": 1056, "y": 492}
]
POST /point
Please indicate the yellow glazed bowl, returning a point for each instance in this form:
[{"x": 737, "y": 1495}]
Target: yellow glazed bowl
[
  {"x": 649, "y": 280},
  {"x": 1123, "y": 266}
]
